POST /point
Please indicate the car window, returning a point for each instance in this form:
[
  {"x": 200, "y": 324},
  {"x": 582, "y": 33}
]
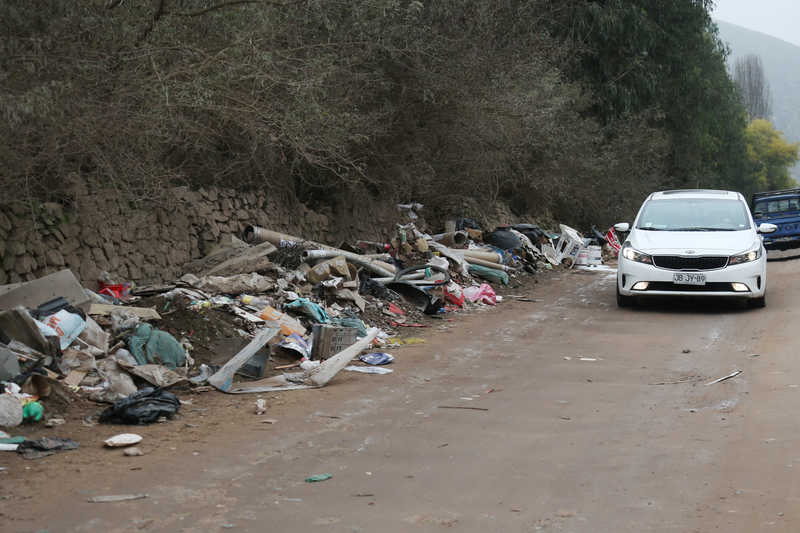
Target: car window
[
  {"x": 694, "y": 214},
  {"x": 779, "y": 205}
]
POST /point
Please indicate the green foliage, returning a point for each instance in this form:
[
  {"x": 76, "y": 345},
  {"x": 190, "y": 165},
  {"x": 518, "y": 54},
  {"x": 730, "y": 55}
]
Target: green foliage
[
  {"x": 770, "y": 157},
  {"x": 663, "y": 58}
]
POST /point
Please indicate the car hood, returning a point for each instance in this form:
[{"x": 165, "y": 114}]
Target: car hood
[{"x": 699, "y": 242}]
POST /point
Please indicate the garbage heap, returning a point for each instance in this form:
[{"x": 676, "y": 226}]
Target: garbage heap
[{"x": 293, "y": 312}]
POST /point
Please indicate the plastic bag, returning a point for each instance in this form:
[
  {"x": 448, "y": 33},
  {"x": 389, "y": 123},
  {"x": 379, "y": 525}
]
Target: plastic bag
[
  {"x": 150, "y": 345},
  {"x": 454, "y": 294},
  {"x": 297, "y": 344},
  {"x": 484, "y": 294},
  {"x": 351, "y": 322},
  {"x": 143, "y": 407},
  {"x": 376, "y": 358},
  {"x": 489, "y": 273},
  {"x": 123, "y": 320},
  {"x": 315, "y": 311},
  {"x": 67, "y": 326}
]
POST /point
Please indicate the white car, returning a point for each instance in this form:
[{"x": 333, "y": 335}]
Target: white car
[{"x": 693, "y": 243}]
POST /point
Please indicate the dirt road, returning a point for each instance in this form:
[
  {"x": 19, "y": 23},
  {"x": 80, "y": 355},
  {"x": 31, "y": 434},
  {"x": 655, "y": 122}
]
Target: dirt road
[{"x": 588, "y": 419}]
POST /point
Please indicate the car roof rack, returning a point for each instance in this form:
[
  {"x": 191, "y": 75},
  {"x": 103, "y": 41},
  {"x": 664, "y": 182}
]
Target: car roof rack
[
  {"x": 695, "y": 191},
  {"x": 758, "y": 195}
]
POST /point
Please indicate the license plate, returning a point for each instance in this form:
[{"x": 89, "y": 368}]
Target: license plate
[{"x": 689, "y": 279}]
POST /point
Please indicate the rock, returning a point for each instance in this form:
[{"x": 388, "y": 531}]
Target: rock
[
  {"x": 70, "y": 230},
  {"x": 70, "y": 245},
  {"x": 24, "y": 264},
  {"x": 5, "y": 223},
  {"x": 16, "y": 247},
  {"x": 133, "y": 452},
  {"x": 54, "y": 258},
  {"x": 10, "y": 411},
  {"x": 99, "y": 255}
]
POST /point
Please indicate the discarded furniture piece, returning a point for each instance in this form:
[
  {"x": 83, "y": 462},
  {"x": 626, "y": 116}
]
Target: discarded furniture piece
[{"x": 569, "y": 245}]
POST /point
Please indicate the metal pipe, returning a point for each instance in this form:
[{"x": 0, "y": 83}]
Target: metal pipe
[
  {"x": 453, "y": 239},
  {"x": 494, "y": 257},
  {"x": 489, "y": 264},
  {"x": 409, "y": 277},
  {"x": 257, "y": 235},
  {"x": 378, "y": 267}
]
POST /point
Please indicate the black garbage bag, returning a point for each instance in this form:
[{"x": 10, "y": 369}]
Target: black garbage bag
[
  {"x": 36, "y": 449},
  {"x": 503, "y": 239},
  {"x": 142, "y": 407},
  {"x": 368, "y": 287},
  {"x": 532, "y": 232},
  {"x": 416, "y": 297}
]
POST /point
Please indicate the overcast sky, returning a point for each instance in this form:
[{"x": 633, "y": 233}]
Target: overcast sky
[{"x": 778, "y": 18}]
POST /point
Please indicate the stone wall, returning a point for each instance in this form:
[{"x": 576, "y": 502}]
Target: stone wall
[{"x": 151, "y": 243}]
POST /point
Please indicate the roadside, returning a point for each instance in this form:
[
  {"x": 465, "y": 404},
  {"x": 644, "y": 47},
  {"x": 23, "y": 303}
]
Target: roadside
[{"x": 597, "y": 419}]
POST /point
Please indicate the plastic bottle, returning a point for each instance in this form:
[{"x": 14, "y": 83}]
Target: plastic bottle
[{"x": 254, "y": 301}]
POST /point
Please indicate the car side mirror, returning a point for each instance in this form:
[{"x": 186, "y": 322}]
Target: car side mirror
[
  {"x": 622, "y": 226},
  {"x": 766, "y": 227}
]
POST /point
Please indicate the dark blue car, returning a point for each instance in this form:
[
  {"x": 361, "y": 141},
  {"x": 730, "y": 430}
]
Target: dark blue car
[{"x": 781, "y": 208}]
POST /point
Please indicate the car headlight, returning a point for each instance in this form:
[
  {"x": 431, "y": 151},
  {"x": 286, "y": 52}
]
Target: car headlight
[
  {"x": 631, "y": 254},
  {"x": 747, "y": 257}
]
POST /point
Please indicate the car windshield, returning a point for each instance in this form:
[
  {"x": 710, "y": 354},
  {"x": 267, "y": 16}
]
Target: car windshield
[
  {"x": 777, "y": 205},
  {"x": 694, "y": 214}
]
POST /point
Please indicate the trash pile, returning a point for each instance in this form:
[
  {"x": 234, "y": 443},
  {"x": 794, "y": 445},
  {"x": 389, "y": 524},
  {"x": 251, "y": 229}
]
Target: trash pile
[{"x": 269, "y": 298}]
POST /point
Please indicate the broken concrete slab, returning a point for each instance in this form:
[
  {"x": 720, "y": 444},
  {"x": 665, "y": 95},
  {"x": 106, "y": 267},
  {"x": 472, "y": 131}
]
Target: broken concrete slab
[
  {"x": 31, "y": 294},
  {"x": 145, "y": 313},
  {"x": 237, "y": 284},
  {"x": 234, "y": 259},
  {"x": 17, "y": 324},
  {"x": 9, "y": 364}
]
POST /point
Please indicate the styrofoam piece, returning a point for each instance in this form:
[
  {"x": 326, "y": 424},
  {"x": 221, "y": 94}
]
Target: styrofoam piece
[{"x": 123, "y": 439}]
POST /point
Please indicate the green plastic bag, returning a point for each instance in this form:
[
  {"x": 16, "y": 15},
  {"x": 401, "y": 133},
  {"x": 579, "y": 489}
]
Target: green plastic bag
[
  {"x": 150, "y": 345},
  {"x": 489, "y": 273},
  {"x": 306, "y": 306},
  {"x": 350, "y": 322},
  {"x": 32, "y": 411}
]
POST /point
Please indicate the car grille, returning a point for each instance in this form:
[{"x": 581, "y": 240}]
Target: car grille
[
  {"x": 674, "y": 287},
  {"x": 676, "y": 262}
]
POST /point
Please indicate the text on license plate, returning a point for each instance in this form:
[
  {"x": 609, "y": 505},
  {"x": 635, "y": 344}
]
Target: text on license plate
[{"x": 689, "y": 279}]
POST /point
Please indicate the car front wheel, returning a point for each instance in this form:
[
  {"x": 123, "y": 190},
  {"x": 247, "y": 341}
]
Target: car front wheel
[
  {"x": 758, "y": 303},
  {"x": 624, "y": 301}
]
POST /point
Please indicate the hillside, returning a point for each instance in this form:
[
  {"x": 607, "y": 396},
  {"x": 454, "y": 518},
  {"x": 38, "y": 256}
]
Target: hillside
[{"x": 782, "y": 68}]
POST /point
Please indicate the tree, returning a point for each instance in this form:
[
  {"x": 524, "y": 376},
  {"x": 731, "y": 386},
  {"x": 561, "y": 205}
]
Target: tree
[
  {"x": 663, "y": 60},
  {"x": 770, "y": 157},
  {"x": 748, "y": 73}
]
